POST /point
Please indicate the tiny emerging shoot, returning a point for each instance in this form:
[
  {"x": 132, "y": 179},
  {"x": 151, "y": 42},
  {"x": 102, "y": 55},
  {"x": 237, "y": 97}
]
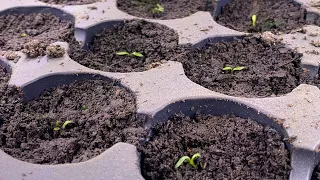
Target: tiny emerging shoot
[
  {"x": 66, "y": 123},
  {"x": 57, "y": 127},
  {"x": 190, "y": 160},
  {"x": 228, "y": 68},
  {"x": 254, "y": 20},
  {"x": 84, "y": 107},
  {"x": 124, "y": 53},
  {"x": 23, "y": 35},
  {"x": 158, "y": 9}
]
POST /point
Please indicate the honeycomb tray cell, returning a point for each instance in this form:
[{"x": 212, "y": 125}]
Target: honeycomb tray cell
[{"x": 37, "y": 54}]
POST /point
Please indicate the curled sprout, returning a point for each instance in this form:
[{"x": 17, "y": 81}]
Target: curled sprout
[
  {"x": 189, "y": 160},
  {"x": 66, "y": 123}
]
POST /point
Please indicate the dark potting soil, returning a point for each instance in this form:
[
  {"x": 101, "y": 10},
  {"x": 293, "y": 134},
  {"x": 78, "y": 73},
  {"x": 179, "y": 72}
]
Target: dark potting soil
[
  {"x": 316, "y": 173},
  {"x": 102, "y": 113},
  {"x": 70, "y": 2},
  {"x": 230, "y": 148},
  {"x": 272, "y": 15},
  {"x": 173, "y": 9},
  {"x": 154, "y": 41},
  {"x": 19, "y": 29},
  {"x": 270, "y": 70},
  {"x": 9, "y": 96}
]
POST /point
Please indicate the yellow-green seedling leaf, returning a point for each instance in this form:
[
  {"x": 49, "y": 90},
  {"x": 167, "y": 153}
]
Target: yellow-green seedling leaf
[
  {"x": 122, "y": 53},
  {"x": 193, "y": 158},
  {"x": 254, "y": 20},
  {"x": 181, "y": 161},
  {"x": 239, "y": 68},
  {"x": 227, "y": 68},
  {"x": 84, "y": 107},
  {"x": 66, "y": 123},
  {"x": 160, "y": 8},
  {"x": 137, "y": 54},
  {"x": 57, "y": 127},
  {"x": 24, "y": 35}
]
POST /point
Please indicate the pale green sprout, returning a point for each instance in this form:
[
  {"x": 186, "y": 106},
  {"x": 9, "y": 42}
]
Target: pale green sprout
[
  {"x": 158, "y": 9},
  {"x": 228, "y": 68},
  {"x": 190, "y": 160},
  {"x": 137, "y": 54},
  {"x": 24, "y": 35},
  {"x": 254, "y": 20},
  {"x": 124, "y": 53},
  {"x": 84, "y": 107},
  {"x": 57, "y": 127},
  {"x": 66, "y": 123}
]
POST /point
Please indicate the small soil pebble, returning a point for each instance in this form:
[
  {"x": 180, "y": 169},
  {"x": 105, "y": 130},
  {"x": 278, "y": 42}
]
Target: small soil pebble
[
  {"x": 34, "y": 49},
  {"x": 315, "y": 43},
  {"x": 55, "y": 51},
  {"x": 71, "y": 123},
  {"x": 116, "y": 49},
  {"x": 18, "y": 29},
  {"x": 271, "y": 15},
  {"x": 172, "y": 9},
  {"x": 70, "y": 2},
  {"x": 230, "y": 148},
  {"x": 262, "y": 68},
  {"x": 12, "y": 56}
]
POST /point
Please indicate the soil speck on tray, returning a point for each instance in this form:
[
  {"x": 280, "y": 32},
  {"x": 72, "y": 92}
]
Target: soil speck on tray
[
  {"x": 269, "y": 70},
  {"x": 173, "y": 9},
  {"x": 19, "y": 29},
  {"x": 272, "y": 15},
  {"x": 230, "y": 147},
  {"x": 34, "y": 49},
  {"x": 154, "y": 41},
  {"x": 100, "y": 117},
  {"x": 12, "y": 56},
  {"x": 70, "y": 2},
  {"x": 55, "y": 51}
]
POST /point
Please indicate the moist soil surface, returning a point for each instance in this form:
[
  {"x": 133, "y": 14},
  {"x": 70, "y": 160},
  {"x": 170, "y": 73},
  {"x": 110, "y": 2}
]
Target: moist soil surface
[
  {"x": 230, "y": 148},
  {"x": 155, "y": 42},
  {"x": 70, "y": 2},
  {"x": 16, "y": 30},
  {"x": 173, "y": 9},
  {"x": 9, "y": 96},
  {"x": 269, "y": 70},
  {"x": 102, "y": 114},
  {"x": 272, "y": 15}
]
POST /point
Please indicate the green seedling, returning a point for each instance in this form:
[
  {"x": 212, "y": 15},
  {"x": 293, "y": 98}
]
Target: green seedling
[
  {"x": 124, "y": 53},
  {"x": 57, "y": 126},
  {"x": 23, "y": 35},
  {"x": 66, "y": 123},
  {"x": 228, "y": 68},
  {"x": 254, "y": 20},
  {"x": 84, "y": 107},
  {"x": 158, "y": 9},
  {"x": 190, "y": 160}
]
